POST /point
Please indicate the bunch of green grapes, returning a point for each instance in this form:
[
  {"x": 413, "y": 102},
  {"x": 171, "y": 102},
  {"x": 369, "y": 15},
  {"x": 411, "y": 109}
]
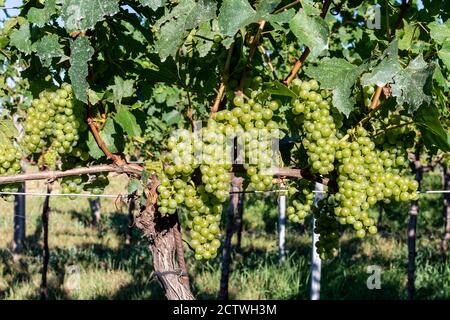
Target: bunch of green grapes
[
  {"x": 328, "y": 229},
  {"x": 368, "y": 92},
  {"x": 72, "y": 185},
  {"x": 302, "y": 202},
  {"x": 313, "y": 109},
  {"x": 52, "y": 123},
  {"x": 97, "y": 184},
  {"x": 204, "y": 200},
  {"x": 364, "y": 179},
  {"x": 255, "y": 130},
  {"x": 10, "y": 158}
]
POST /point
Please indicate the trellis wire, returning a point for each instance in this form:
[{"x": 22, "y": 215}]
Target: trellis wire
[{"x": 115, "y": 196}]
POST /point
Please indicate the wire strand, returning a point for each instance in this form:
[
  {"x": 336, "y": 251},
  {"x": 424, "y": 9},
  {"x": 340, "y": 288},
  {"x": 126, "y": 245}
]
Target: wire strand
[{"x": 115, "y": 196}]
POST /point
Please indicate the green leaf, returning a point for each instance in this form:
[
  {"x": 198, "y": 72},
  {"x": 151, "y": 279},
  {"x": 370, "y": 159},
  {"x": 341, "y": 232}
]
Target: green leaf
[
  {"x": 108, "y": 135},
  {"x": 407, "y": 34},
  {"x": 81, "y": 15},
  {"x": 173, "y": 27},
  {"x": 134, "y": 185},
  {"x": 235, "y": 14},
  {"x": 444, "y": 53},
  {"x": 412, "y": 85},
  {"x": 433, "y": 134},
  {"x": 266, "y": 6},
  {"x": 21, "y": 38},
  {"x": 121, "y": 89},
  {"x": 41, "y": 16},
  {"x": 280, "y": 89},
  {"x": 48, "y": 48},
  {"x": 338, "y": 75},
  {"x": 439, "y": 31},
  {"x": 310, "y": 31},
  {"x": 81, "y": 53},
  {"x": 8, "y": 128},
  {"x": 385, "y": 71},
  {"x": 127, "y": 121},
  {"x": 153, "y": 4},
  {"x": 172, "y": 117}
]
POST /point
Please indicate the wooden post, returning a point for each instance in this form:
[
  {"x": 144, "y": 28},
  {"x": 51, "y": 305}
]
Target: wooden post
[
  {"x": 95, "y": 210},
  {"x": 19, "y": 221},
  {"x": 412, "y": 228},
  {"x": 226, "y": 251},
  {"x": 46, "y": 251}
]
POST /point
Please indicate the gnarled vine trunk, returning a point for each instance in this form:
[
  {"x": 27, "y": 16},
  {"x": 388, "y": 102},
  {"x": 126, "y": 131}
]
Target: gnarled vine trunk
[{"x": 168, "y": 264}]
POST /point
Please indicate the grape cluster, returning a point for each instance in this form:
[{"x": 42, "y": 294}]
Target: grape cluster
[
  {"x": 301, "y": 202},
  {"x": 328, "y": 228},
  {"x": 72, "y": 185},
  {"x": 51, "y": 122},
  {"x": 255, "y": 131},
  {"x": 97, "y": 184},
  {"x": 313, "y": 110},
  {"x": 10, "y": 158},
  {"x": 364, "y": 179}
]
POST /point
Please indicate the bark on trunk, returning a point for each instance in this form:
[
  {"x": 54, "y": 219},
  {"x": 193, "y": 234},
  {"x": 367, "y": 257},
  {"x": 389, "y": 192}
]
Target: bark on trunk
[
  {"x": 413, "y": 212},
  {"x": 226, "y": 251},
  {"x": 19, "y": 221},
  {"x": 446, "y": 211},
  {"x": 161, "y": 235},
  {"x": 95, "y": 210},
  {"x": 46, "y": 251}
]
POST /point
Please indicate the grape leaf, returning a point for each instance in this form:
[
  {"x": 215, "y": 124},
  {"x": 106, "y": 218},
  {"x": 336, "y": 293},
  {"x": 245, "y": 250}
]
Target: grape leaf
[
  {"x": 235, "y": 14},
  {"x": 121, "y": 89},
  {"x": 278, "y": 88},
  {"x": 412, "y": 85},
  {"x": 339, "y": 76},
  {"x": 153, "y": 4},
  {"x": 47, "y": 48},
  {"x": 81, "y": 15},
  {"x": 433, "y": 134},
  {"x": 311, "y": 31},
  {"x": 127, "y": 121},
  {"x": 21, "y": 38},
  {"x": 8, "y": 128},
  {"x": 81, "y": 53},
  {"x": 173, "y": 27},
  {"x": 444, "y": 53},
  {"x": 385, "y": 71},
  {"x": 134, "y": 185},
  {"x": 440, "y": 31},
  {"x": 41, "y": 16},
  {"x": 172, "y": 117},
  {"x": 265, "y": 6}
]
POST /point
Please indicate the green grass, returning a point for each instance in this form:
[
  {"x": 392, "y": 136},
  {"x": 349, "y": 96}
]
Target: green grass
[{"x": 109, "y": 269}]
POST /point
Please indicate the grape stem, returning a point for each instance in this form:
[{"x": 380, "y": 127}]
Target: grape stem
[
  {"x": 117, "y": 160},
  {"x": 393, "y": 127},
  {"x": 224, "y": 81},
  {"x": 298, "y": 64},
  {"x": 251, "y": 53},
  {"x": 268, "y": 62}
]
